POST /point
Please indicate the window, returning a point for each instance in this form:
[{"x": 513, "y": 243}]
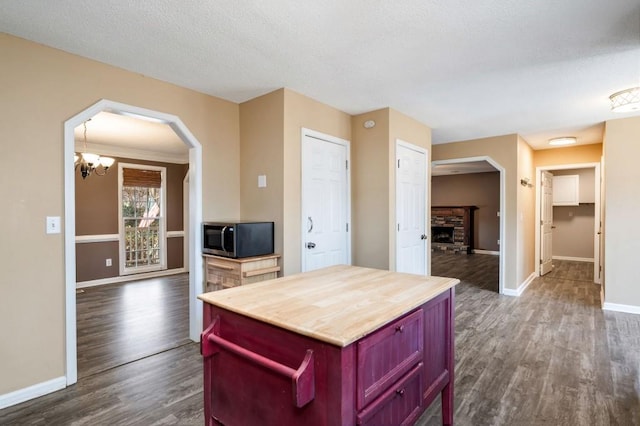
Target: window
[{"x": 142, "y": 218}]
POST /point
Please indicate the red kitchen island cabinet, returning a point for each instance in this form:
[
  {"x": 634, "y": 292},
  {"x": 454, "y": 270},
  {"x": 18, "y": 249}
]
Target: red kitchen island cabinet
[{"x": 343, "y": 345}]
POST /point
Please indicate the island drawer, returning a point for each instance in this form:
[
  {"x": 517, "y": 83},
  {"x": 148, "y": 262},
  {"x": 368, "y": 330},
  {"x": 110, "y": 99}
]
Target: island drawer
[
  {"x": 401, "y": 404},
  {"x": 388, "y": 354}
]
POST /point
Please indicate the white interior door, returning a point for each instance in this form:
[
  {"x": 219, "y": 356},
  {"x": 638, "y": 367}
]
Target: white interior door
[
  {"x": 546, "y": 223},
  {"x": 325, "y": 201},
  {"x": 411, "y": 193}
]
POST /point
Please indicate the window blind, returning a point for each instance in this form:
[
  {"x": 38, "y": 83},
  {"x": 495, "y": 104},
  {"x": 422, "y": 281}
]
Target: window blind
[{"x": 141, "y": 178}]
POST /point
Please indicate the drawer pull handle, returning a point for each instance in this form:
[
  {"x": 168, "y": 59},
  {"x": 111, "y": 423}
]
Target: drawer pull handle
[
  {"x": 223, "y": 267},
  {"x": 399, "y": 328},
  {"x": 255, "y": 272},
  {"x": 302, "y": 378},
  {"x": 400, "y": 392}
]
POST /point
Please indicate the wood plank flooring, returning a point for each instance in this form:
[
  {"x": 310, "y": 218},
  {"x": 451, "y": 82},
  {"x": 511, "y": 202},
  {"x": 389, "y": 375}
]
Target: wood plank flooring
[
  {"x": 120, "y": 323},
  {"x": 549, "y": 357}
]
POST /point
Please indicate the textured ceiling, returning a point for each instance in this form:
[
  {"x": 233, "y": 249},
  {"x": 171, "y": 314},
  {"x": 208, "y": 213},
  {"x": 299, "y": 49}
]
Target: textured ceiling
[{"x": 540, "y": 68}]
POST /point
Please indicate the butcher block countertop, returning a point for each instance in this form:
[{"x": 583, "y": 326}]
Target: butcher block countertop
[{"x": 337, "y": 305}]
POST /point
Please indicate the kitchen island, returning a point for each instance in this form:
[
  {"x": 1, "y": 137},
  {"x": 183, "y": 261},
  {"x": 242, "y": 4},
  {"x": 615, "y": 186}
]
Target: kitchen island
[{"x": 343, "y": 345}]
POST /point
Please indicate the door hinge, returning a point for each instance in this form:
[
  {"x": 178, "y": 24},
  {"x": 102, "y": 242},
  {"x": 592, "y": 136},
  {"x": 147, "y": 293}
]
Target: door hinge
[
  {"x": 541, "y": 261},
  {"x": 347, "y": 227},
  {"x": 398, "y": 227},
  {"x": 346, "y": 163},
  {"x": 398, "y": 163}
]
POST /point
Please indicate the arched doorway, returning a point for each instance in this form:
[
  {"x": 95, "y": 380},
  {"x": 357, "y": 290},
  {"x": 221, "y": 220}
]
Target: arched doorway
[
  {"x": 195, "y": 218},
  {"x": 461, "y": 162}
]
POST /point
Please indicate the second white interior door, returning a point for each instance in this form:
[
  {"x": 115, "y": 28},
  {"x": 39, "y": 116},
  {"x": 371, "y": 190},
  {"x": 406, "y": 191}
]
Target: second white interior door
[{"x": 413, "y": 241}]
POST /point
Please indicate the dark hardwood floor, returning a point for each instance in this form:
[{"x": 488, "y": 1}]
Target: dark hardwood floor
[
  {"x": 478, "y": 270},
  {"x": 548, "y": 357},
  {"x": 120, "y": 323}
]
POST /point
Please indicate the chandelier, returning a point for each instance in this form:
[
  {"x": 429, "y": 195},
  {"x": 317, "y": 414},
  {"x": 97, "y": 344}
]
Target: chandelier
[
  {"x": 626, "y": 100},
  {"x": 90, "y": 163}
]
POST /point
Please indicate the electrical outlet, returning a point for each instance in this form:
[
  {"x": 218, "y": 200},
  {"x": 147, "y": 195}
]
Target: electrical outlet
[
  {"x": 498, "y": 242},
  {"x": 107, "y": 262}
]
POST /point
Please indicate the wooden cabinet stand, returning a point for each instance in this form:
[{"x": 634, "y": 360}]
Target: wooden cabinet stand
[{"x": 223, "y": 272}]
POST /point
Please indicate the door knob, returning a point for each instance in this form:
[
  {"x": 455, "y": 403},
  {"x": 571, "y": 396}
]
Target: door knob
[
  {"x": 423, "y": 237},
  {"x": 311, "y": 245}
]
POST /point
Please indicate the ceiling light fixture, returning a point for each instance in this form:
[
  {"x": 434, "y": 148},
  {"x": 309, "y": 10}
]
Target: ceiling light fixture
[
  {"x": 565, "y": 140},
  {"x": 626, "y": 100},
  {"x": 90, "y": 163}
]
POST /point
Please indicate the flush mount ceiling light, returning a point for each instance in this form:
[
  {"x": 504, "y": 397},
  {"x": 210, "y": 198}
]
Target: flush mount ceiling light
[
  {"x": 626, "y": 100},
  {"x": 369, "y": 124},
  {"x": 565, "y": 140}
]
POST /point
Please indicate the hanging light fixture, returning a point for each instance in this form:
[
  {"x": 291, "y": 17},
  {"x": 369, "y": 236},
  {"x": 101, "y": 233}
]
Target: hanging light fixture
[
  {"x": 626, "y": 100},
  {"x": 90, "y": 163}
]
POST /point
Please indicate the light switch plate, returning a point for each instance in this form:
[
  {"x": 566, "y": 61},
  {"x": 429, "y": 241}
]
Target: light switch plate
[
  {"x": 262, "y": 181},
  {"x": 53, "y": 224}
]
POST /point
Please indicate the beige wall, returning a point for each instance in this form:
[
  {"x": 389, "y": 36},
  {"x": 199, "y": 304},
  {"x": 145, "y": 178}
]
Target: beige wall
[
  {"x": 301, "y": 111},
  {"x": 262, "y": 153},
  {"x": 271, "y": 129},
  {"x": 526, "y": 213},
  {"x": 41, "y": 89},
  {"x": 374, "y": 184},
  {"x": 568, "y": 155},
  {"x": 370, "y": 190},
  {"x": 573, "y": 233},
  {"x": 622, "y": 227},
  {"x": 574, "y": 225},
  {"x": 476, "y": 189},
  {"x": 504, "y": 151},
  {"x": 409, "y": 130}
]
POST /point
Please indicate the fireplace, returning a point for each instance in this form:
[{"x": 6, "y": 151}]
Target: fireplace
[
  {"x": 452, "y": 229},
  {"x": 442, "y": 234}
]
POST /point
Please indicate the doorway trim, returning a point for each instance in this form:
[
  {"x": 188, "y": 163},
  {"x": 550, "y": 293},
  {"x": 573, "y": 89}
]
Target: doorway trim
[
  {"x": 597, "y": 261},
  {"x": 195, "y": 218},
  {"x": 503, "y": 240}
]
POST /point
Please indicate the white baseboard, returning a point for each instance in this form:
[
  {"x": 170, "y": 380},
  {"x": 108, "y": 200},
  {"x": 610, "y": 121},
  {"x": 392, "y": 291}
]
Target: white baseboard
[
  {"x": 629, "y": 309},
  {"x": 480, "y": 251},
  {"x": 521, "y": 288},
  {"x": 575, "y": 259},
  {"x": 127, "y": 278},
  {"x": 31, "y": 392}
]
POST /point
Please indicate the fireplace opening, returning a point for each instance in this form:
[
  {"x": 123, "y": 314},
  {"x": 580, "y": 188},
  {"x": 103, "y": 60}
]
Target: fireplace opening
[{"x": 442, "y": 234}]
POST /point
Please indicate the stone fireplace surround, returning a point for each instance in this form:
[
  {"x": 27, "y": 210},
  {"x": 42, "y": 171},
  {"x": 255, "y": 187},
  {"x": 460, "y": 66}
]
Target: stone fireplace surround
[{"x": 460, "y": 220}]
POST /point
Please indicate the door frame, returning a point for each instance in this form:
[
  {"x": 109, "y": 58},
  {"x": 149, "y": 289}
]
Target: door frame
[
  {"x": 427, "y": 204},
  {"x": 597, "y": 260},
  {"x": 503, "y": 240},
  {"x": 347, "y": 145},
  {"x": 195, "y": 218}
]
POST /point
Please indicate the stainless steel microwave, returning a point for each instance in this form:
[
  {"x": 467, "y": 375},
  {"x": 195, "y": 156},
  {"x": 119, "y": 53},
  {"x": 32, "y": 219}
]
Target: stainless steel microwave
[{"x": 237, "y": 239}]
